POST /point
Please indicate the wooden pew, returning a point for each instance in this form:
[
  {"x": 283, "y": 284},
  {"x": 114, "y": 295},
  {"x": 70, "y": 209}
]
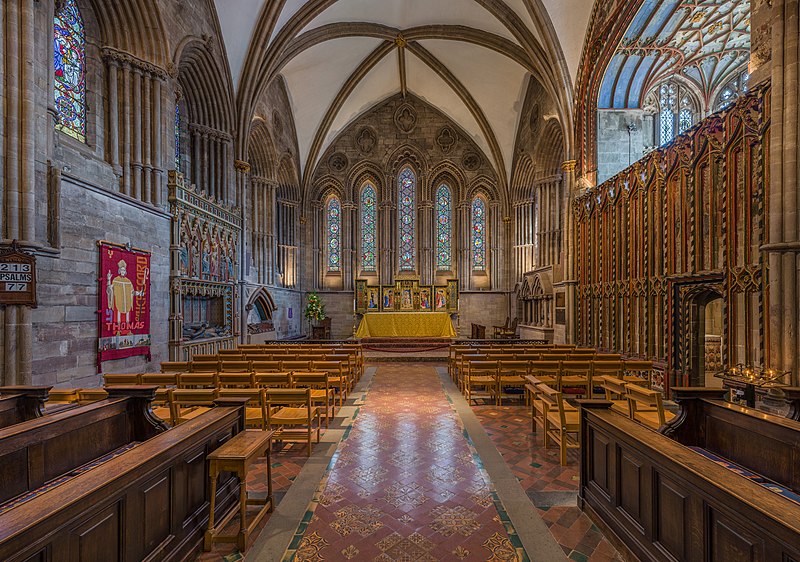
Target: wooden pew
[
  {"x": 666, "y": 501},
  {"x": 151, "y": 502},
  {"x": 21, "y": 403}
]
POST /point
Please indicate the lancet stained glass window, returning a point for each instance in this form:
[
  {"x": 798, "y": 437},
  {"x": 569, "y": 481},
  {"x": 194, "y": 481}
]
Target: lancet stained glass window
[
  {"x": 444, "y": 228},
  {"x": 368, "y": 228},
  {"x": 406, "y": 209},
  {"x": 478, "y": 234},
  {"x": 334, "y": 234},
  {"x": 69, "y": 52}
]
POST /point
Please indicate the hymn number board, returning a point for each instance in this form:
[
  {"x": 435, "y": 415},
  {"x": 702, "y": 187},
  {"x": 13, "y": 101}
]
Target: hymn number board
[{"x": 17, "y": 277}]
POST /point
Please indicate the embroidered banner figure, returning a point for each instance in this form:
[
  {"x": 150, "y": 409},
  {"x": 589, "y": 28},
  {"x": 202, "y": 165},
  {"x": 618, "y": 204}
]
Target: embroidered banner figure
[{"x": 124, "y": 303}]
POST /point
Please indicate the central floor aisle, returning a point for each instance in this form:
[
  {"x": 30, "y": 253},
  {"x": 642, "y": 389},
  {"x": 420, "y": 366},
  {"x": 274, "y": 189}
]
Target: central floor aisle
[{"x": 406, "y": 484}]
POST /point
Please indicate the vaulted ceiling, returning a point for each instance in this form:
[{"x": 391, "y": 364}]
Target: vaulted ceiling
[{"x": 469, "y": 58}]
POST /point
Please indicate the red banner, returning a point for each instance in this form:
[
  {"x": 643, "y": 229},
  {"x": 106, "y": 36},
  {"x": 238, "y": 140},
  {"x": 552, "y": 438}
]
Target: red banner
[{"x": 124, "y": 303}]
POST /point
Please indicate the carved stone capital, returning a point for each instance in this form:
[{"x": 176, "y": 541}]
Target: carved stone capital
[
  {"x": 115, "y": 56},
  {"x": 241, "y": 166}
]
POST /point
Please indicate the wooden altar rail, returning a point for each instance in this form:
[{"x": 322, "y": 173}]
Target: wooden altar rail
[
  {"x": 149, "y": 502},
  {"x": 667, "y": 502}
]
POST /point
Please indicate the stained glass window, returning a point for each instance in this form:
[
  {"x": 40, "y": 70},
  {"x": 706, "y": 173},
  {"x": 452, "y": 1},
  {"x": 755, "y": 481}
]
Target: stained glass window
[
  {"x": 178, "y": 148},
  {"x": 732, "y": 90},
  {"x": 406, "y": 209},
  {"x": 478, "y": 234},
  {"x": 69, "y": 51},
  {"x": 334, "y": 234},
  {"x": 684, "y": 120},
  {"x": 444, "y": 228},
  {"x": 368, "y": 228}
]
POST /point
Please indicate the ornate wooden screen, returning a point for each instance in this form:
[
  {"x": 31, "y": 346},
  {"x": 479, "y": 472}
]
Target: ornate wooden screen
[{"x": 682, "y": 224}]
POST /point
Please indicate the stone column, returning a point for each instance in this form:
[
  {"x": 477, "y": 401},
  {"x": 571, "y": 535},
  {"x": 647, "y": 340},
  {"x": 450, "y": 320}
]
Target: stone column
[
  {"x": 112, "y": 129},
  {"x": 568, "y": 259},
  {"x": 465, "y": 244},
  {"x": 349, "y": 262},
  {"x": 147, "y": 137},
  {"x": 783, "y": 244},
  {"x": 427, "y": 241},
  {"x": 157, "y": 196},
  {"x": 136, "y": 138},
  {"x": 242, "y": 189},
  {"x": 196, "y": 150},
  {"x": 126, "y": 129}
]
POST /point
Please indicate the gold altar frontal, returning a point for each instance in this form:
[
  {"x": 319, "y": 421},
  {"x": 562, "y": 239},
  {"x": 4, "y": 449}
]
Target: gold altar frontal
[{"x": 406, "y": 325}]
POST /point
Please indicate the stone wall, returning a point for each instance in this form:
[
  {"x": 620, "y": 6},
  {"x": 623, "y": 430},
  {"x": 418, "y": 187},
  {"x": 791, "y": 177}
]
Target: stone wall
[
  {"x": 485, "y": 308},
  {"x": 65, "y": 328},
  {"x": 287, "y": 300},
  {"x": 618, "y": 146}
]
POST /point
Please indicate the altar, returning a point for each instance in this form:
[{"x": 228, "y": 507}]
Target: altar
[{"x": 406, "y": 325}]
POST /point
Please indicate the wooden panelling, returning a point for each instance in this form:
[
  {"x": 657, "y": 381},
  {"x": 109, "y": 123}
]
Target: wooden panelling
[
  {"x": 667, "y": 502},
  {"x": 670, "y": 516},
  {"x": 98, "y": 537},
  {"x": 157, "y": 511},
  {"x": 731, "y": 543}
]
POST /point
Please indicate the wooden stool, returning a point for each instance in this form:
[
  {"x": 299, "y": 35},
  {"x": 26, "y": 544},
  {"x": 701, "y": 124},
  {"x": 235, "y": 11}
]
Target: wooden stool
[{"x": 236, "y": 456}]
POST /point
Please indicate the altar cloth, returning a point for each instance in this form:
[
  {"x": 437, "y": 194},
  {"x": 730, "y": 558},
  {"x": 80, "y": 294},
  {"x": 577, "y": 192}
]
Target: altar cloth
[{"x": 406, "y": 325}]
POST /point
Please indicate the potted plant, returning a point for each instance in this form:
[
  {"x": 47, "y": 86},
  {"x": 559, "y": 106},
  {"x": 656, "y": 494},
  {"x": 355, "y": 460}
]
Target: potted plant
[{"x": 315, "y": 310}]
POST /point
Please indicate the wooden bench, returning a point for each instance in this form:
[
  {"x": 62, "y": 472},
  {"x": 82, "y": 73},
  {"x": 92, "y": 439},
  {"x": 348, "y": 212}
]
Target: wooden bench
[
  {"x": 615, "y": 392},
  {"x": 236, "y": 456},
  {"x": 665, "y": 500},
  {"x": 21, "y": 403},
  {"x": 561, "y": 422},
  {"x": 150, "y": 502},
  {"x": 646, "y": 406}
]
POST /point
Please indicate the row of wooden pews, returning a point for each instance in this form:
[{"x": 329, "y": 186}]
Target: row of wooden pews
[{"x": 108, "y": 480}]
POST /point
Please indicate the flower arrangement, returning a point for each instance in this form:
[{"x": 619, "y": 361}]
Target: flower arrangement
[{"x": 315, "y": 310}]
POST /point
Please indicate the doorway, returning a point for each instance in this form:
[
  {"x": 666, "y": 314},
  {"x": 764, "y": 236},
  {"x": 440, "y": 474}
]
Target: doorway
[{"x": 711, "y": 326}]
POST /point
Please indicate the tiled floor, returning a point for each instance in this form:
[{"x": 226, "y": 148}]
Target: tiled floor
[
  {"x": 405, "y": 484},
  {"x": 552, "y": 488}
]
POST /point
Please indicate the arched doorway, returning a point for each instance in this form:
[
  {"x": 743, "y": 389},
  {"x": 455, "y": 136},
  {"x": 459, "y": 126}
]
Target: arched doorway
[
  {"x": 712, "y": 343},
  {"x": 260, "y": 327},
  {"x": 702, "y": 336}
]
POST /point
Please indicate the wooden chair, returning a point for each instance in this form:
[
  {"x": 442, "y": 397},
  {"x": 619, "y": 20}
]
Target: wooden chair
[
  {"x": 89, "y": 395},
  {"x": 294, "y": 365},
  {"x": 546, "y": 371},
  {"x": 607, "y": 369},
  {"x": 510, "y": 374},
  {"x": 204, "y": 366},
  {"x": 322, "y": 395},
  {"x": 464, "y": 367},
  {"x": 337, "y": 377},
  {"x": 198, "y": 380},
  {"x": 230, "y": 354},
  {"x": 349, "y": 367},
  {"x": 162, "y": 404},
  {"x": 647, "y": 406},
  {"x": 638, "y": 372},
  {"x": 562, "y": 422},
  {"x": 266, "y": 366},
  {"x": 236, "y": 380},
  {"x": 188, "y": 403},
  {"x": 258, "y": 357},
  {"x": 273, "y": 380},
  {"x": 234, "y": 366},
  {"x": 500, "y": 329},
  {"x": 576, "y": 377},
  {"x": 511, "y": 331},
  {"x": 291, "y": 414},
  {"x": 255, "y": 410},
  {"x": 205, "y": 357},
  {"x": 357, "y": 350},
  {"x": 161, "y": 379},
  {"x": 480, "y": 374},
  {"x": 174, "y": 366},
  {"x": 537, "y": 406},
  {"x": 117, "y": 379},
  {"x": 615, "y": 392},
  {"x": 608, "y": 357}
]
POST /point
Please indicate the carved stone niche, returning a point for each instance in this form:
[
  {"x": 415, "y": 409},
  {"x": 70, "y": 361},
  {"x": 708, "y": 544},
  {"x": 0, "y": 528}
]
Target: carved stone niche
[
  {"x": 446, "y": 139},
  {"x": 471, "y": 161},
  {"x": 337, "y": 162},
  {"x": 405, "y": 118},
  {"x": 366, "y": 141}
]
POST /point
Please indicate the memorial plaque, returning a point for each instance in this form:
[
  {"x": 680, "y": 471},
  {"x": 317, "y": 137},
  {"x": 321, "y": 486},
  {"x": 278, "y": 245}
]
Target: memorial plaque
[{"x": 17, "y": 277}]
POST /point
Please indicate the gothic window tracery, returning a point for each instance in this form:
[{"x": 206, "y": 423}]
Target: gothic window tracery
[
  {"x": 406, "y": 211},
  {"x": 368, "y": 228},
  {"x": 444, "y": 228},
  {"x": 675, "y": 108},
  {"x": 732, "y": 90},
  {"x": 478, "y": 234},
  {"x": 334, "y": 233},
  {"x": 69, "y": 57}
]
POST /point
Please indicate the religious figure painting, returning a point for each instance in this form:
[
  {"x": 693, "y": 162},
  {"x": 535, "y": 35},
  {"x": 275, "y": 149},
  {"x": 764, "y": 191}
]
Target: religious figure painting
[
  {"x": 425, "y": 298},
  {"x": 373, "y": 298},
  {"x": 406, "y": 300},
  {"x": 388, "y": 298},
  {"x": 441, "y": 298}
]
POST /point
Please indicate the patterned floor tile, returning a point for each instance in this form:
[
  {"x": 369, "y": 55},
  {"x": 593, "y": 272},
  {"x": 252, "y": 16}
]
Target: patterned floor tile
[{"x": 409, "y": 488}]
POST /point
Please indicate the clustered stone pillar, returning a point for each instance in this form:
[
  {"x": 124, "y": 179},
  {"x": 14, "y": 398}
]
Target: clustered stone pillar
[
  {"x": 524, "y": 234},
  {"x": 783, "y": 240},
  {"x": 18, "y": 121},
  {"x": 212, "y": 153},
  {"x": 349, "y": 218},
  {"x": 570, "y": 281},
  {"x": 548, "y": 222},
  {"x": 464, "y": 233},
  {"x": 387, "y": 219},
  {"x": 426, "y": 236},
  {"x": 318, "y": 239},
  {"x": 135, "y": 125}
]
